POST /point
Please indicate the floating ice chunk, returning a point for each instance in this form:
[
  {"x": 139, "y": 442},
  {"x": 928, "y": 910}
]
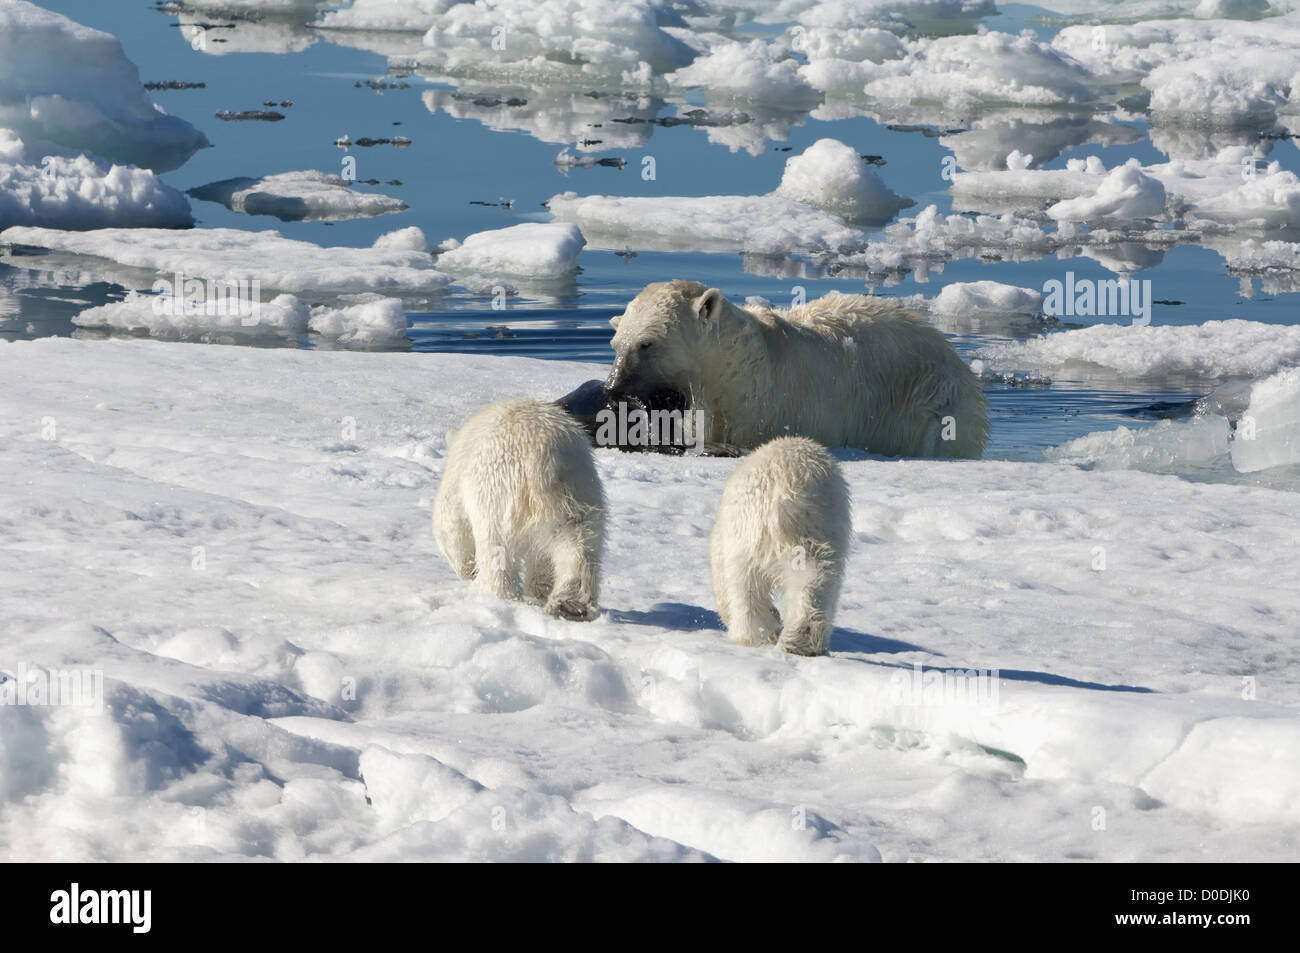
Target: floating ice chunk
[
  {"x": 1256, "y": 257},
  {"x": 386, "y": 15},
  {"x": 375, "y": 322},
  {"x": 1199, "y": 72},
  {"x": 73, "y": 86},
  {"x": 832, "y": 176},
  {"x": 307, "y": 196},
  {"x": 62, "y": 192},
  {"x": 410, "y": 238},
  {"x": 554, "y": 39},
  {"x": 763, "y": 224},
  {"x": 744, "y": 72},
  {"x": 529, "y": 250},
  {"x": 171, "y": 317},
  {"x": 1209, "y": 351},
  {"x": 1166, "y": 447},
  {"x": 1126, "y": 192},
  {"x": 967, "y": 72},
  {"x": 986, "y": 297},
  {"x": 1268, "y": 433},
  {"x": 229, "y": 254}
]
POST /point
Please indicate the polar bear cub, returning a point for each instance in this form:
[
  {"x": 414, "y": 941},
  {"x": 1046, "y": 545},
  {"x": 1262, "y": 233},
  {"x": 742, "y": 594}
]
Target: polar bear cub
[
  {"x": 784, "y": 522},
  {"x": 520, "y": 497}
]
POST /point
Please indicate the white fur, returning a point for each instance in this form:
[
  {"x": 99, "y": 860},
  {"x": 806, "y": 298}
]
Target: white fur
[
  {"x": 520, "y": 497},
  {"x": 845, "y": 370},
  {"x": 784, "y": 524}
]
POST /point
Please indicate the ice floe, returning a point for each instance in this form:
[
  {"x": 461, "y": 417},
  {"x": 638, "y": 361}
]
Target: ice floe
[
  {"x": 298, "y": 196},
  {"x": 529, "y": 250},
  {"x": 71, "y": 85}
]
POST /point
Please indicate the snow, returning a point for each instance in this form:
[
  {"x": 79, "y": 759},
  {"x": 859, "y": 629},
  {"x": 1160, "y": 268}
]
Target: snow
[
  {"x": 528, "y": 250},
  {"x": 298, "y": 196},
  {"x": 71, "y": 85},
  {"x": 290, "y": 671},
  {"x": 57, "y": 191},
  {"x": 1210, "y": 351},
  {"x": 228, "y": 254},
  {"x": 832, "y": 176}
]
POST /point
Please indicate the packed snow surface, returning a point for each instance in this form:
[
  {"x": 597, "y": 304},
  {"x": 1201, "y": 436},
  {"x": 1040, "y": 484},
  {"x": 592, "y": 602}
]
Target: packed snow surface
[{"x": 289, "y": 670}]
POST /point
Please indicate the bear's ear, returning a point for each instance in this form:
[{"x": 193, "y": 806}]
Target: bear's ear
[
  {"x": 613, "y": 322},
  {"x": 709, "y": 305}
]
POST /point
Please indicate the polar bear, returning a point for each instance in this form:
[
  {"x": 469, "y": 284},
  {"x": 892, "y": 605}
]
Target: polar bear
[
  {"x": 784, "y": 523},
  {"x": 844, "y": 370},
  {"x": 520, "y": 491}
]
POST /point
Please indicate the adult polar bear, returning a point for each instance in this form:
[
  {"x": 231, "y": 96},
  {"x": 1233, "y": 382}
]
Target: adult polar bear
[{"x": 844, "y": 370}]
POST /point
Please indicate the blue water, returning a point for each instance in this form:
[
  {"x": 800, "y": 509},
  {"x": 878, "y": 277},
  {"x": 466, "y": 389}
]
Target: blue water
[{"x": 453, "y": 162}]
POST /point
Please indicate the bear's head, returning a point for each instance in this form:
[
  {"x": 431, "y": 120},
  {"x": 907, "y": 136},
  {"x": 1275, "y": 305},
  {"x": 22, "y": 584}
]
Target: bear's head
[{"x": 657, "y": 343}]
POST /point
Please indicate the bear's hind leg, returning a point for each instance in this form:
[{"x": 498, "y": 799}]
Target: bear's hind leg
[
  {"x": 539, "y": 576},
  {"x": 455, "y": 536},
  {"x": 810, "y": 598},
  {"x": 575, "y": 558},
  {"x": 496, "y": 570},
  {"x": 754, "y": 619}
]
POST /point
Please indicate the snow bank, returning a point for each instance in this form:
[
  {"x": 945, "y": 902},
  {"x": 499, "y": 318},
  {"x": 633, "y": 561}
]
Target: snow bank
[
  {"x": 832, "y": 176},
  {"x": 71, "y": 85},
  {"x": 80, "y": 192},
  {"x": 228, "y": 254},
  {"x": 290, "y": 670},
  {"x": 1209, "y": 351},
  {"x": 529, "y": 250},
  {"x": 298, "y": 196}
]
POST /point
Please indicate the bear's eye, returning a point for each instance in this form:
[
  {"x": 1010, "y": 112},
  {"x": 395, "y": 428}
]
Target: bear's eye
[{"x": 646, "y": 345}]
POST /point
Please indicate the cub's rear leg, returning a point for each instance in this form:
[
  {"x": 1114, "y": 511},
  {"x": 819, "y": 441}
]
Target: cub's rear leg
[
  {"x": 575, "y": 564},
  {"x": 454, "y": 535},
  {"x": 539, "y": 576},
  {"x": 810, "y": 594}
]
